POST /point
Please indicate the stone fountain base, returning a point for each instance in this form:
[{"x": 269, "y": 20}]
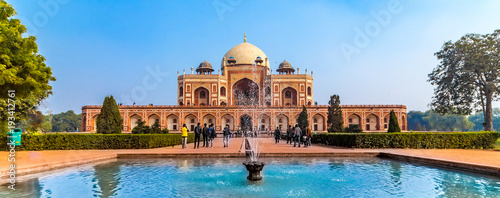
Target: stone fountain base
[{"x": 254, "y": 169}]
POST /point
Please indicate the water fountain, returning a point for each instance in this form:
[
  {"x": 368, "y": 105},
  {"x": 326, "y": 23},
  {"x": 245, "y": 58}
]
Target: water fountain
[
  {"x": 248, "y": 99},
  {"x": 252, "y": 164}
]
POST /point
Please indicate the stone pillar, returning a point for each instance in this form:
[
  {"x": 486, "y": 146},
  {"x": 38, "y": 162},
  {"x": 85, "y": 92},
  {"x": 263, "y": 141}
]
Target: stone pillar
[
  {"x": 191, "y": 70},
  {"x": 184, "y": 72},
  {"x": 298, "y": 70}
]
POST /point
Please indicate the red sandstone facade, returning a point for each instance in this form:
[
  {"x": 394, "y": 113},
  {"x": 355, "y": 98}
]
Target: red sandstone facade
[{"x": 245, "y": 93}]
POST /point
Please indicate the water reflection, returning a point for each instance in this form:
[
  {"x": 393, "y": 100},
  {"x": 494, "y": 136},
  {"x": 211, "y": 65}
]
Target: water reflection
[{"x": 108, "y": 179}]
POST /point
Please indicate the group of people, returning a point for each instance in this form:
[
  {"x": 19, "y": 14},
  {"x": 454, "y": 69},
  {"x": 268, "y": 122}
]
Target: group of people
[
  {"x": 296, "y": 135},
  {"x": 208, "y": 134}
]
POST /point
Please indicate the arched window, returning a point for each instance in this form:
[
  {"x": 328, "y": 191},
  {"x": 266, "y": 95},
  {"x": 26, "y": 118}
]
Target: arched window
[
  {"x": 223, "y": 91},
  {"x": 288, "y": 94},
  {"x": 157, "y": 120},
  {"x": 385, "y": 119},
  {"x": 227, "y": 120},
  {"x": 280, "y": 121},
  {"x": 350, "y": 120},
  {"x": 315, "y": 120},
  {"x": 367, "y": 119},
  {"x": 309, "y": 91},
  {"x": 268, "y": 91},
  {"x": 192, "y": 120},
  {"x": 175, "y": 121},
  {"x": 203, "y": 94},
  {"x": 209, "y": 120},
  {"x": 263, "y": 120},
  {"x": 181, "y": 91}
]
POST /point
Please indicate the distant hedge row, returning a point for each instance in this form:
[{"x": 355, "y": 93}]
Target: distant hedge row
[
  {"x": 94, "y": 141},
  {"x": 419, "y": 140}
]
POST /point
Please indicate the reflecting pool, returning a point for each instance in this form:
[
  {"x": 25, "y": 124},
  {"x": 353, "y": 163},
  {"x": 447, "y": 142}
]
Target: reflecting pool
[{"x": 282, "y": 177}]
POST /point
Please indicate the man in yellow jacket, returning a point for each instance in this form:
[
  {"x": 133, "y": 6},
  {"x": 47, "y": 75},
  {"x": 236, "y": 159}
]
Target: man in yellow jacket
[{"x": 184, "y": 135}]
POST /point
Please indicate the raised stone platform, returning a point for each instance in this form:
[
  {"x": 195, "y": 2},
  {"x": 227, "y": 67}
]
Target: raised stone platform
[{"x": 28, "y": 162}]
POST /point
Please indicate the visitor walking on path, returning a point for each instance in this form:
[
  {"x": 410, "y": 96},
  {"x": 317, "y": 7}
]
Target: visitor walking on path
[
  {"x": 205, "y": 135},
  {"x": 184, "y": 135},
  {"x": 226, "y": 134},
  {"x": 277, "y": 135},
  {"x": 197, "y": 134},
  {"x": 211, "y": 136},
  {"x": 297, "y": 134},
  {"x": 289, "y": 134},
  {"x": 309, "y": 136}
]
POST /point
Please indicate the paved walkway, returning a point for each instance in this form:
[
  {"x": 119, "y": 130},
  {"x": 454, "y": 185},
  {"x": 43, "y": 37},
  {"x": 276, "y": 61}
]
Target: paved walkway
[{"x": 36, "y": 161}]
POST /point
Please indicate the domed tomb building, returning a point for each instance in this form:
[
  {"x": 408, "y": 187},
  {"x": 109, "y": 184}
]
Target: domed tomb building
[{"x": 245, "y": 94}]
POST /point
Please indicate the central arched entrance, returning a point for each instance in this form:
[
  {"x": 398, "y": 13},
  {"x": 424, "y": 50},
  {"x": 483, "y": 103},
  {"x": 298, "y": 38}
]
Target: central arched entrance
[
  {"x": 246, "y": 123},
  {"x": 245, "y": 92}
]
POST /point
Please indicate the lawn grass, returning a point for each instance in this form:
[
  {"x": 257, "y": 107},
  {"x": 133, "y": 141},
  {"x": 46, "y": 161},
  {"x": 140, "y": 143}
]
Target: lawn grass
[{"x": 497, "y": 144}]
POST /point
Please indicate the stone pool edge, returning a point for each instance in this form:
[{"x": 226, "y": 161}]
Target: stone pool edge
[{"x": 472, "y": 167}]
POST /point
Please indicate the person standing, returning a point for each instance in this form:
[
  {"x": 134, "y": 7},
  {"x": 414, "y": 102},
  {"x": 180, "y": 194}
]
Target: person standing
[
  {"x": 298, "y": 133},
  {"x": 289, "y": 134},
  {"x": 277, "y": 134},
  {"x": 211, "y": 137},
  {"x": 184, "y": 135},
  {"x": 226, "y": 134},
  {"x": 205, "y": 135},
  {"x": 197, "y": 134},
  {"x": 309, "y": 136}
]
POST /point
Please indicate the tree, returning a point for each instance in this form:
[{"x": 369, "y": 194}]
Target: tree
[
  {"x": 478, "y": 118},
  {"x": 432, "y": 121},
  {"x": 66, "y": 121},
  {"x": 109, "y": 119},
  {"x": 22, "y": 68},
  {"x": 335, "y": 121},
  {"x": 156, "y": 127},
  {"x": 303, "y": 120},
  {"x": 141, "y": 128},
  {"x": 468, "y": 76},
  {"x": 393, "y": 123}
]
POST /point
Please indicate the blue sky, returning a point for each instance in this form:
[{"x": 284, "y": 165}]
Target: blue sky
[{"x": 368, "y": 52}]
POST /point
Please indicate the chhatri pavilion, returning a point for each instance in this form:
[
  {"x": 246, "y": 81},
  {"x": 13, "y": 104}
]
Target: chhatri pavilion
[{"x": 246, "y": 94}]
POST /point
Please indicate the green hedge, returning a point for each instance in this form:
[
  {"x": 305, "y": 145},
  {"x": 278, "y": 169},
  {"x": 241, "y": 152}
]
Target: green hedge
[
  {"x": 418, "y": 140},
  {"x": 94, "y": 141}
]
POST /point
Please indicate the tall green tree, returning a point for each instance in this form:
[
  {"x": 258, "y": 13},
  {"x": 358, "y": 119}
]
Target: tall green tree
[
  {"x": 303, "y": 120},
  {"x": 335, "y": 121},
  {"x": 22, "y": 68},
  {"x": 468, "y": 76},
  {"x": 66, "y": 121},
  {"x": 478, "y": 118},
  {"x": 109, "y": 119},
  {"x": 393, "y": 123},
  {"x": 432, "y": 121}
]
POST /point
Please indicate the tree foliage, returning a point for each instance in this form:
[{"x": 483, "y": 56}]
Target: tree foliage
[
  {"x": 66, "y": 121},
  {"x": 478, "y": 118},
  {"x": 22, "y": 68},
  {"x": 393, "y": 123},
  {"x": 432, "y": 121},
  {"x": 468, "y": 76},
  {"x": 35, "y": 121},
  {"x": 335, "y": 121},
  {"x": 303, "y": 120},
  {"x": 109, "y": 119},
  {"x": 142, "y": 128}
]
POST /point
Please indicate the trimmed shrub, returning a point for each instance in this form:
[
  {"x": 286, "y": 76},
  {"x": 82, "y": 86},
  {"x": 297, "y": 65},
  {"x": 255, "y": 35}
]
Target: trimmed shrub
[
  {"x": 94, "y": 141},
  {"x": 353, "y": 128},
  {"x": 418, "y": 140}
]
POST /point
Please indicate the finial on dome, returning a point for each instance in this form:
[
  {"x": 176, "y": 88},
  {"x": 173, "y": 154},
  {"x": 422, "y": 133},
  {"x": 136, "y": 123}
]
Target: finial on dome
[{"x": 245, "y": 40}]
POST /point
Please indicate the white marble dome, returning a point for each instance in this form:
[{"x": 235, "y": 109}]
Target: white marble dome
[{"x": 245, "y": 54}]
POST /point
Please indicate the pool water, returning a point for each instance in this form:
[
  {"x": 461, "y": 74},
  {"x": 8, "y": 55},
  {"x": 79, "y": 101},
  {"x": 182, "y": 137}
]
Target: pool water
[{"x": 282, "y": 177}]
